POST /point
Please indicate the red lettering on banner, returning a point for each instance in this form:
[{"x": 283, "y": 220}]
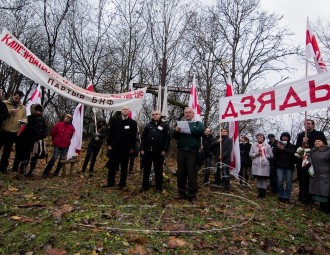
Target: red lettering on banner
[
  {"x": 270, "y": 101},
  {"x": 298, "y": 101},
  {"x": 230, "y": 111},
  {"x": 250, "y": 104},
  {"x": 12, "y": 44},
  {"x": 313, "y": 89},
  {"x": 6, "y": 38}
]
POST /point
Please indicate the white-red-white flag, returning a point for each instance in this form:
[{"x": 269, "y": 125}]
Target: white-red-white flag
[
  {"x": 35, "y": 99},
  {"x": 313, "y": 51},
  {"x": 78, "y": 124},
  {"x": 193, "y": 101},
  {"x": 132, "y": 114},
  {"x": 235, "y": 159}
]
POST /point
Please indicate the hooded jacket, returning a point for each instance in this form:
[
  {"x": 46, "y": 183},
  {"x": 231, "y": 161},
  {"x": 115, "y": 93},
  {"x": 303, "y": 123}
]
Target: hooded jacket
[
  {"x": 36, "y": 128},
  {"x": 61, "y": 134},
  {"x": 285, "y": 158}
]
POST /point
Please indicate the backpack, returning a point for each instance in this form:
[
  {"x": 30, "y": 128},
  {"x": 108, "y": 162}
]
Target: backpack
[{"x": 40, "y": 150}]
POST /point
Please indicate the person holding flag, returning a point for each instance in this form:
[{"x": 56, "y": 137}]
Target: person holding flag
[{"x": 223, "y": 159}]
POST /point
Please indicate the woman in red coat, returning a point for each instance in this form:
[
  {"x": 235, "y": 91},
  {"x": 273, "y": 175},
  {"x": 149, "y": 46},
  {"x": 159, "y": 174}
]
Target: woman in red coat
[{"x": 61, "y": 135}]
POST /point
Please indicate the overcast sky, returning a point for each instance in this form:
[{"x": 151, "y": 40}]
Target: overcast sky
[{"x": 295, "y": 13}]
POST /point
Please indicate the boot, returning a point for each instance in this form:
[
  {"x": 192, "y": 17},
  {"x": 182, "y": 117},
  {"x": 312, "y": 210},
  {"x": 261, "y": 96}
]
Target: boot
[
  {"x": 22, "y": 168},
  {"x": 259, "y": 193},
  {"x": 33, "y": 165}
]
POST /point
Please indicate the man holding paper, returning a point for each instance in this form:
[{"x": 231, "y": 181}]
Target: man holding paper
[{"x": 187, "y": 134}]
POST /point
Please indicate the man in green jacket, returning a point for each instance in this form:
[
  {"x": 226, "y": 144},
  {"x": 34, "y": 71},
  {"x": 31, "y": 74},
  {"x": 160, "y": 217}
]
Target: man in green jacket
[{"x": 187, "y": 148}]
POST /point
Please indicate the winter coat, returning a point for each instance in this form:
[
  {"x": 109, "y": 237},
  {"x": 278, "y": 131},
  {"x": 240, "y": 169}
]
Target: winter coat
[
  {"x": 11, "y": 123},
  {"x": 121, "y": 137},
  {"x": 285, "y": 158},
  {"x": 3, "y": 112},
  {"x": 207, "y": 145},
  {"x": 156, "y": 137},
  {"x": 35, "y": 129},
  {"x": 311, "y": 138},
  {"x": 226, "y": 147},
  {"x": 61, "y": 134},
  {"x": 245, "y": 157},
  {"x": 190, "y": 142},
  {"x": 320, "y": 183},
  {"x": 97, "y": 138},
  {"x": 261, "y": 164}
]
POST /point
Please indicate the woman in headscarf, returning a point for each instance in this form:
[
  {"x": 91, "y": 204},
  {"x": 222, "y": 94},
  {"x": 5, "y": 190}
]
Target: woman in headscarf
[{"x": 260, "y": 154}]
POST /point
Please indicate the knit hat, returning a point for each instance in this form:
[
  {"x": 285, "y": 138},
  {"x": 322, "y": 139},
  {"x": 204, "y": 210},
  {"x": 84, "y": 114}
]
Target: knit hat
[
  {"x": 271, "y": 136},
  {"x": 321, "y": 138}
]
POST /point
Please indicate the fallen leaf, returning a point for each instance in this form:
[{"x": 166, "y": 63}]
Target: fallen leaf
[
  {"x": 63, "y": 209},
  {"x": 56, "y": 252},
  {"x": 176, "y": 242},
  {"x": 138, "y": 249}
]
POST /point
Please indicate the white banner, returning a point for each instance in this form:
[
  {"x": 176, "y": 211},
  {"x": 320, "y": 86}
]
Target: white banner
[
  {"x": 303, "y": 95},
  {"x": 15, "y": 54}
]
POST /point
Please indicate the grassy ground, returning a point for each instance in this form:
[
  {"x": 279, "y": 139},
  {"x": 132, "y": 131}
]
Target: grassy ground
[{"x": 75, "y": 215}]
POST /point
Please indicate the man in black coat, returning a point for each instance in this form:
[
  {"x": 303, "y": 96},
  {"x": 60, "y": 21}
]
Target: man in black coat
[
  {"x": 121, "y": 143},
  {"x": 222, "y": 158},
  {"x": 155, "y": 142},
  {"x": 207, "y": 140},
  {"x": 246, "y": 161},
  {"x": 303, "y": 176}
]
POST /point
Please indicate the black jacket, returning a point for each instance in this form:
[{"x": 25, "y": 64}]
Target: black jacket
[
  {"x": 156, "y": 137},
  {"x": 3, "y": 112},
  {"x": 245, "y": 157},
  {"x": 122, "y": 136},
  {"x": 311, "y": 137},
  {"x": 285, "y": 158},
  {"x": 207, "y": 145},
  {"x": 227, "y": 146}
]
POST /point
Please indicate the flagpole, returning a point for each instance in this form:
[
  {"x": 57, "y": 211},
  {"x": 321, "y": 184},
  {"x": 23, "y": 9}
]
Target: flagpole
[{"x": 306, "y": 74}]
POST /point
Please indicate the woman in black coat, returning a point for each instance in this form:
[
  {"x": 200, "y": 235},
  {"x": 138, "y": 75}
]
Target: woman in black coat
[{"x": 34, "y": 130}]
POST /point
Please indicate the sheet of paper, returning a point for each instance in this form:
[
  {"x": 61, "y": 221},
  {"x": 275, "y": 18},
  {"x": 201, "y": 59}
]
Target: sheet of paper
[{"x": 184, "y": 125}]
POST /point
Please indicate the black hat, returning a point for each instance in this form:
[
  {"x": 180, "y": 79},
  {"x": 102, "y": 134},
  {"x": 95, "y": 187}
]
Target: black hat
[
  {"x": 322, "y": 138},
  {"x": 271, "y": 136}
]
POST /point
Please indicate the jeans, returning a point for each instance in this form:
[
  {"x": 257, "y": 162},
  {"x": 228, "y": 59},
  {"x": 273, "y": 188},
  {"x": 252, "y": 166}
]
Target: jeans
[
  {"x": 222, "y": 175},
  {"x": 91, "y": 152},
  {"x": 57, "y": 151},
  {"x": 287, "y": 174},
  {"x": 207, "y": 169}
]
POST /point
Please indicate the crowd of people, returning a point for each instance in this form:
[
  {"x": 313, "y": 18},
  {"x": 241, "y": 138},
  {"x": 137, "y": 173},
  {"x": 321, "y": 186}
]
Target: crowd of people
[{"x": 272, "y": 163}]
